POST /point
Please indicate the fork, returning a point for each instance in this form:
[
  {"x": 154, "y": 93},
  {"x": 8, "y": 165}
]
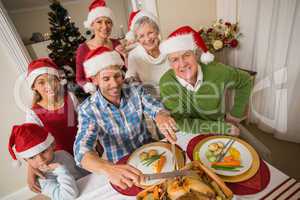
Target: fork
[{"x": 224, "y": 150}]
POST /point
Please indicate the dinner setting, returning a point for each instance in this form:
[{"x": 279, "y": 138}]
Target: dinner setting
[{"x": 151, "y": 100}]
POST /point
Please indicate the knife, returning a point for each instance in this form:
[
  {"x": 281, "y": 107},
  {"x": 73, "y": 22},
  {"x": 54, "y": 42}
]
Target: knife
[
  {"x": 185, "y": 172},
  {"x": 173, "y": 149}
]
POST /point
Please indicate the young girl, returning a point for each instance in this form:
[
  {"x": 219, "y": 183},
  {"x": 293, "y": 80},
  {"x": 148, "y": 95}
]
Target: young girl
[{"x": 53, "y": 108}]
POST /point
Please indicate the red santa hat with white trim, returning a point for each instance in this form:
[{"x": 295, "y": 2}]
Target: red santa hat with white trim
[
  {"x": 99, "y": 59},
  {"x": 134, "y": 17},
  {"x": 98, "y": 9},
  {"x": 29, "y": 140},
  {"x": 183, "y": 39},
  {"x": 39, "y": 67}
]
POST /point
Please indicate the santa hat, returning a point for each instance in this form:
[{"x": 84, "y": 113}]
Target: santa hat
[
  {"x": 29, "y": 140},
  {"x": 98, "y": 9},
  {"x": 183, "y": 39},
  {"x": 134, "y": 17},
  {"x": 99, "y": 59},
  {"x": 39, "y": 67}
]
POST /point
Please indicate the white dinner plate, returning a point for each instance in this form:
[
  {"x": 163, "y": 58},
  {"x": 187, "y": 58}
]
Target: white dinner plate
[
  {"x": 135, "y": 161},
  {"x": 246, "y": 157}
]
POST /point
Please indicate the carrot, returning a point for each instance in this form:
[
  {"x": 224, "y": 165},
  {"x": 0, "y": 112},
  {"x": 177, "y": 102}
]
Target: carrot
[
  {"x": 233, "y": 163},
  {"x": 158, "y": 165},
  {"x": 143, "y": 194},
  {"x": 155, "y": 193},
  {"x": 228, "y": 158}
]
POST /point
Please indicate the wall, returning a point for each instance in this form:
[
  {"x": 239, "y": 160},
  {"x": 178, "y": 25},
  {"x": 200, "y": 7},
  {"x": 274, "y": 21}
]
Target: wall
[
  {"x": 175, "y": 13},
  {"x": 36, "y": 20},
  {"x": 12, "y": 179}
]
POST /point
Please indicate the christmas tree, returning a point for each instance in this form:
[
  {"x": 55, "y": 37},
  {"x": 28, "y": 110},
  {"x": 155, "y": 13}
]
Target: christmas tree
[{"x": 65, "y": 38}]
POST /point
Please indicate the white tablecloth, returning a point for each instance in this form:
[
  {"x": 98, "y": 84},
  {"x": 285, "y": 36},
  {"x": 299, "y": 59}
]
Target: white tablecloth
[{"x": 97, "y": 187}]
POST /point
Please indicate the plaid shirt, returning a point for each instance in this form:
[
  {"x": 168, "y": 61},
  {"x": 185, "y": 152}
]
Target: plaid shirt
[{"x": 119, "y": 130}]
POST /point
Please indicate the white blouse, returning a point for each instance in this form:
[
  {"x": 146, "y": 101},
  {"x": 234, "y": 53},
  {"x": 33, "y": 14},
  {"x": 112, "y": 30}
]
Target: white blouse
[{"x": 148, "y": 69}]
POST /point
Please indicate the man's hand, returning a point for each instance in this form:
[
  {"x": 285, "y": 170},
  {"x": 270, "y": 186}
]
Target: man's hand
[
  {"x": 231, "y": 119},
  {"x": 121, "y": 49},
  {"x": 32, "y": 175},
  {"x": 167, "y": 126},
  {"x": 234, "y": 131},
  {"x": 124, "y": 176}
]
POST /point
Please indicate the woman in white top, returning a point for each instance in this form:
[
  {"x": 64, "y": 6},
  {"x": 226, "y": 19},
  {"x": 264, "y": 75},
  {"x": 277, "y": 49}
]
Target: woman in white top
[{"x": 145, "y": 62}]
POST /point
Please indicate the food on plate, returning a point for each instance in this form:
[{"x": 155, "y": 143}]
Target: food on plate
[
  {"x": 158, "y": 165},
  {"x": 153, "y": 159},
  {"x": 152, "y": 152},
  {"x": 234, "y": 153},
  {"x": 156, "y": 192},
  {"x": 203, "y": 185},
  {"x": 188, "y": 186},
  {"x": 230, "y": 162},
  {"x": 143, "y": 156}
]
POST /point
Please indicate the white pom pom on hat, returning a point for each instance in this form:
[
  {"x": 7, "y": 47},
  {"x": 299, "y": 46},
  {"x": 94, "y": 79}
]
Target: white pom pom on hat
[{"x": 89, "y": 87}]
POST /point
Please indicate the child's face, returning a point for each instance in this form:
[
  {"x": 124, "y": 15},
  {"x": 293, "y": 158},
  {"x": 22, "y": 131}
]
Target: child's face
[
  {"x": 46, "y": 85},
  {"x": 41, "y": 160}
]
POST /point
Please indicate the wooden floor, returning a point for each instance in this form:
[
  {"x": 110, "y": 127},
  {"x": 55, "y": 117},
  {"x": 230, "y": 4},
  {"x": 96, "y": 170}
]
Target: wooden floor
[{"x": 285, "y": 155}]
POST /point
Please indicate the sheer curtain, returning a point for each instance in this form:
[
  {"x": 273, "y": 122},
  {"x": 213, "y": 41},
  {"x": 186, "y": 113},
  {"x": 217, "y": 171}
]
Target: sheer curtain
[{"x": 270, "y": 45}]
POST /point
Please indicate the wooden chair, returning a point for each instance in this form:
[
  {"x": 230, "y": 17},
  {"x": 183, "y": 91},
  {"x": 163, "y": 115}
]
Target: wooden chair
[{"x": 245, "y": 134}]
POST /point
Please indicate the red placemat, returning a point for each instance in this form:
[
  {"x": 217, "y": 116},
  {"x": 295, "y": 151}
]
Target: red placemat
[
  {"x": 132, "y": 191},
  {"x": 255, "y": 184}
]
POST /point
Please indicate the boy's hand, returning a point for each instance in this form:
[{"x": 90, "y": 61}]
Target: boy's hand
[
  {"x": 50, "y": 167},
  {"x": 53, "y": 166},
  {"x": 32, "y": 175}
]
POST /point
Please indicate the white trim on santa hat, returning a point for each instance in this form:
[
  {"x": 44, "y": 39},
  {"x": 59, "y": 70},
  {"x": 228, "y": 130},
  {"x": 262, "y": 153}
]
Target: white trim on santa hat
[
  {"x": 89, "y": 88},
  {"x": 37, "y": 149},
  {"x": 96, "y": 13},
  {"x": 130, "y": 34},
  {"x": 140, "y": 15},
  {"x": 178, "y": 43},
  {"x": 39, "y": 71},
  {"x": 99, "y": 62}
]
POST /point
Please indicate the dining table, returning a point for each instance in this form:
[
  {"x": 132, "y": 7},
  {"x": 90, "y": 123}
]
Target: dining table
[{"x": 280, "y": 187}]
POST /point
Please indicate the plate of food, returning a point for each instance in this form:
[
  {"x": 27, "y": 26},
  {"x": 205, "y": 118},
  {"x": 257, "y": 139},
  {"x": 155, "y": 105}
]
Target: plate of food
[
  {"x": 154, "y": 158},
  {"x": 236, "y": 160},
  {"x": 203, "y": 184}
]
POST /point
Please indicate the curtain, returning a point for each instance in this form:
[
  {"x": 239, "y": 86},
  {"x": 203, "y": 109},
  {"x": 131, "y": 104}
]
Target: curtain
[{"x": 270, "y": 45}]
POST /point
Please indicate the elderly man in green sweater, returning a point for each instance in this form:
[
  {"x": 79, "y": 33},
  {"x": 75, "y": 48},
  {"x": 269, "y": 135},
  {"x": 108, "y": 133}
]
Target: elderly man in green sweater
[{"x": 194, "y": 91}]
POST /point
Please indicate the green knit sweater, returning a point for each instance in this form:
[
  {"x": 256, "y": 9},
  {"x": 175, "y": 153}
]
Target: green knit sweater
[{"x": 203, "y": 111}]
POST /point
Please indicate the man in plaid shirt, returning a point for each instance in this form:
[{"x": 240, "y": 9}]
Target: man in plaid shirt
[{"x": 114, "y": 116}]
